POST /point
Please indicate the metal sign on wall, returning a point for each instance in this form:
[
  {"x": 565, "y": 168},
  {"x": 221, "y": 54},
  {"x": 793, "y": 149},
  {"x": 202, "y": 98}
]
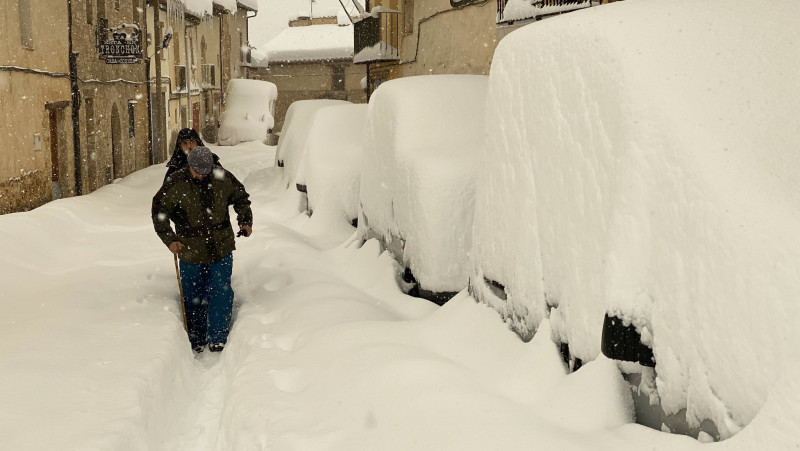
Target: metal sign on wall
[{"x": 124, "y": 45}]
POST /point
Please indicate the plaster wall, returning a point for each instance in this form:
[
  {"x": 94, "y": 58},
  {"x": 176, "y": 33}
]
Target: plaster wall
[
  {"x": 312, "y": 80},
  {"x": 449, "y": 41},
  {"x": 33, "y": 76},
  {"x": 26, "y": 168}
]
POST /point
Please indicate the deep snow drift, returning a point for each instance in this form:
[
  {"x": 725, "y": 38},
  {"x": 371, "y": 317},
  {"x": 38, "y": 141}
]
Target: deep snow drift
[
  {"x": 422, "y": 150},
  {"x": 325, "y": 353},
  {"x": 294, "y": 133},
  {"x": 648, "y": 151},
  {"x": 248, "y": 115},
  {"x": 333, "y": 166}
]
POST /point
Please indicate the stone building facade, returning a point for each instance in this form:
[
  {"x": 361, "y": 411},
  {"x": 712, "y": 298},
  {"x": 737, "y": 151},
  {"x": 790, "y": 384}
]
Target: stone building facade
[
  {"x": 215, "y": 43},
  {"x": 308, "y": 61},
  {"x": 36, "y": 159},
  {"x": 79, "y": 114},
  {"x": 113, "y": 126}
]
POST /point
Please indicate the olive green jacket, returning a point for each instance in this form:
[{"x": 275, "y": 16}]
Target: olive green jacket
[{"x": 199, "y": 209}]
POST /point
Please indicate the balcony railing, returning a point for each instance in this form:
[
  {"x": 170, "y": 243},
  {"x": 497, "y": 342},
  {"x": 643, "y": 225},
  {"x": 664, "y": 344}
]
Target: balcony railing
[
  {"x": 377, "y": 38},
  {"x": 535, "y": 9}
]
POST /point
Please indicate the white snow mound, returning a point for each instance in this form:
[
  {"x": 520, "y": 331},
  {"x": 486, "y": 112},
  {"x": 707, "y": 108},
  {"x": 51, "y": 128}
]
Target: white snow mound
[
  {"x": 249, "y": 105},
  {"x": 643, "y": 155},
  {"x": 333, "y": 165},
  {"x": 422, "y": 147}
]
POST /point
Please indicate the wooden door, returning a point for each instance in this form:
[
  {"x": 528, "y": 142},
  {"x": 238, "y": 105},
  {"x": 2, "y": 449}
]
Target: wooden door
[{"x": 54, "y": 145}]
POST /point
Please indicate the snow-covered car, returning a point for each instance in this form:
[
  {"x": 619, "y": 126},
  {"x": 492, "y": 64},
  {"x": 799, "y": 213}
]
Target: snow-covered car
[
  {"x": 291, "y": 145},
  {"x": 334, "y": 149},
  {"x": 249, "y": 109},
  {"x": 642, "y": 198},
  {"x": 422, "y": 146}
]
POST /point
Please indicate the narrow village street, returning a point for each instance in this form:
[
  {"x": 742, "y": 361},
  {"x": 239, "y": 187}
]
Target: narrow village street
[
  {"x": 399, "y": 225},
  {"x": 326, "y": 352}
]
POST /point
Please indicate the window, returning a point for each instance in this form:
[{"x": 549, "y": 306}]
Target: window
[
  {"x": 89, "y": 11},
  {"x": 90, "y": 128},
  {"x": 242, "y": 53},
  {"x": 338, "y": 78},
  {"x": 180, "y": 78},
  {"x": 244, "y": 50},
  {"x": 131, "y": 118},
  {"x": 408, "y": 17},
  {"x": 176, "y": 46},
  {"x": 160, "y": 40},
  {"x": 25, "y": 26},
  {"x": 501, "y": 6},
  {"x": 209, "y": 75},
  {"x": 135, "y": 12}
]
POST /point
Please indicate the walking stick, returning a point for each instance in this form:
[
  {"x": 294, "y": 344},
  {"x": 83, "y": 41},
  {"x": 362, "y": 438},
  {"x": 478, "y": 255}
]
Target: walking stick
[{"x": 180, "y": 289}]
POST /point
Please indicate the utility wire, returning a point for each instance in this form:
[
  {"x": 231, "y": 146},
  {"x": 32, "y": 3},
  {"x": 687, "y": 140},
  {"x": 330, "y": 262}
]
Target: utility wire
[{"x": 33, "y": 71}]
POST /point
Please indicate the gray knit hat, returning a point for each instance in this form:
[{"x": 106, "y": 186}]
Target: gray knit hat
[{"x": 201, "y": 160}]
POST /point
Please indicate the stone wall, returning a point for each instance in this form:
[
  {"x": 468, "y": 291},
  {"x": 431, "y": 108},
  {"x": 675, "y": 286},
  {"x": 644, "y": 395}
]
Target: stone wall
[{"x": 340, "y": 80}]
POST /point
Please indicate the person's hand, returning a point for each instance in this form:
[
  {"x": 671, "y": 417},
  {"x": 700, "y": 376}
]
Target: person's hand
[
  {"x": 245, "y": 231},
  {"x": 175, "y": 247}
]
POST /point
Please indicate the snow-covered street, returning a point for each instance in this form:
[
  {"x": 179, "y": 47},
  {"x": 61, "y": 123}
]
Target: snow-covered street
[{"x": 325, "y": 353}]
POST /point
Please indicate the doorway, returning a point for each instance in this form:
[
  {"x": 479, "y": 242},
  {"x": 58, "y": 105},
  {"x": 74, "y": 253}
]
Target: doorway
[
  {"x": 59, "y": 160},
  {"x": 54, "y": 157}
]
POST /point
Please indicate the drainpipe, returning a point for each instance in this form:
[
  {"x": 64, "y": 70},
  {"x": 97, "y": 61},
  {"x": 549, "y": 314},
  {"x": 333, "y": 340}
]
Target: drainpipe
[
  {"x": 160, "y": 107},
  {"x": 188, "y": 74},
  {"x": 369, "y": 90},
  {"x": 248, "y": 68},
  {"x": 221, "y": 59},
  {"x": 369, "y": 80},
  {"x": 151, "y": 156},
  {"x": 76, "y": 104}
]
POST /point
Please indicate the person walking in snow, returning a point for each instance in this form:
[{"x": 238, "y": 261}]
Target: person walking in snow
[
  {"x": 196, "y": 199},
  {"x": 187, "y": 140}
]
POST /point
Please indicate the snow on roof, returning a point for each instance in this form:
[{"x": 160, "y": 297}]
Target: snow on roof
[
  {"x": 312, "y": 43},
  {"x": 252, "y": 5}
]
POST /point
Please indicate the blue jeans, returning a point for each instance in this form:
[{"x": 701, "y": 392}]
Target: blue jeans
[{"x": 208, "y": 299}]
